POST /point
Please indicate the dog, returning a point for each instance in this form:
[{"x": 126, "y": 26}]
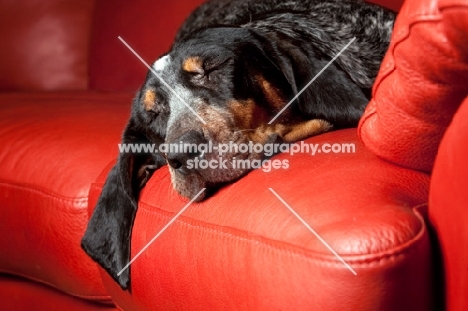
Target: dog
[{"x": 233, "y": 67}]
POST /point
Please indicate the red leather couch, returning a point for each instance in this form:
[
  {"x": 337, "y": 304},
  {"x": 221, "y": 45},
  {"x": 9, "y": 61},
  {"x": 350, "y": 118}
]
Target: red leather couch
[{"x": 396, "y": 210}]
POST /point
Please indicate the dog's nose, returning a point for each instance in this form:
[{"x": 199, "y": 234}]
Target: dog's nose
[{"x": 184, "y": 148}]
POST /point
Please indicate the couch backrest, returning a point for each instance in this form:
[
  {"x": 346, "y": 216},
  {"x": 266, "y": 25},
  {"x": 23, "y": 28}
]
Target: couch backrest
[
  {"x": 149, "y": 27},
  {"x": 44, "y": 44},
  {"x": 57, "y": 45}
]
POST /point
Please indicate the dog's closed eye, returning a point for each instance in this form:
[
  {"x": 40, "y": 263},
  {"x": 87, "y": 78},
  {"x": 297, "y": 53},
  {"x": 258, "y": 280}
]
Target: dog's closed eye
[{"x": 202, "y": 71}]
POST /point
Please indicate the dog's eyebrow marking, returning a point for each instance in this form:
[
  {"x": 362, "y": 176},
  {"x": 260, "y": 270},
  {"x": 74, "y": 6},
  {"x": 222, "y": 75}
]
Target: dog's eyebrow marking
[
  {"x": 149, "y": 100},
  {"x": 161, "y": 63},
  {"x": 153, "y": 71},
  {"x": 193, "y": 64}
]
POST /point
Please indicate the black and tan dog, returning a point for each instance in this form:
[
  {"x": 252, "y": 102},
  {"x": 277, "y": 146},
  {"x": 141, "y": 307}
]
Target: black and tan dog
[{"x": 237, "y": 64}]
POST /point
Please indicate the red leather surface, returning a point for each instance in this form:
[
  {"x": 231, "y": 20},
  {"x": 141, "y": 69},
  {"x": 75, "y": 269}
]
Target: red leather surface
[
  {"x": 20, "y": 295},
  {"x": 53, "y": 147},
  {"x": 148, "y": 26},
  {"x": 44, "y": 44},
  {"x": 394, "y": 5},
  {"x": 448, "y": 208},
  {"x": 243, "y": 250},
  {"x": 421, "y": 83}
]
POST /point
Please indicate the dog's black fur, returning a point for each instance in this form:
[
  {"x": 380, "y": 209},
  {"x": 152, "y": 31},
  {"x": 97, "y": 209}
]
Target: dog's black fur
[{"x": 237, "y": 64}]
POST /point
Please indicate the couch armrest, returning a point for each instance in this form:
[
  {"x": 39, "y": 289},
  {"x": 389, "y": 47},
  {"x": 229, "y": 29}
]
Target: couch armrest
[
  {"x": 421, "y": 83},
  {"x": 420, "y": 97}
]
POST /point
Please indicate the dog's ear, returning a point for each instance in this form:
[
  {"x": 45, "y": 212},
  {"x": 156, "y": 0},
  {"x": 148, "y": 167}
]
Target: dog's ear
[
  {"x": 107, "y": 237},
  {"x": 332, "y": 96}
]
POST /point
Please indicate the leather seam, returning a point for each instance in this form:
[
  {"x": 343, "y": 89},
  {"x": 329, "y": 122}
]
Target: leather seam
[
  {"x": 384, "y": 256},
  {"x": 399, "y": 37},
  {"x": 367, "y": 115},
  {"x": 43, "y": 192},
  {"x": 54, "y": 286}
]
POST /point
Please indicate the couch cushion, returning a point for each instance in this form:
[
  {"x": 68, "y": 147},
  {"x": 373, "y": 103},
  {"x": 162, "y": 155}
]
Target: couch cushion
[
  {"x": 421, "y": 83},
  {"x": 53, "y": 147},
  {"x": 242, "y": 249},
  {"x": 44, "y": 44}
]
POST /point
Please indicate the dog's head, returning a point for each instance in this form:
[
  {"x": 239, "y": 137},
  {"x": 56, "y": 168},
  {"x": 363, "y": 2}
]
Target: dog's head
[{"x": 222, "y": 86}]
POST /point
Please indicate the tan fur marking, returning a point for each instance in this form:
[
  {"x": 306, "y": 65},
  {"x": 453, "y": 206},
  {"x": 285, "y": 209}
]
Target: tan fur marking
[
  {"x": 272, "y": 94},
  {"x": 149, "y": 100},
  {"x": 243, "y": 113},
  {"x": 306, "y": 129},
  {"x": 290, "y": 133},
  {"x": 193, "y": 64},
  {"x": 247, "y": 114}
]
